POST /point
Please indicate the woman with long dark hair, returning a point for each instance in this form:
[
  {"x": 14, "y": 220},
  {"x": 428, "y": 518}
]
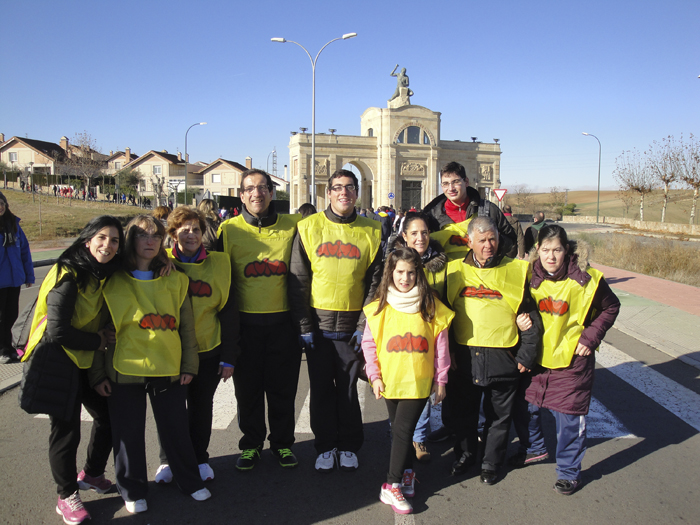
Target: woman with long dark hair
[
  {"x": 16, "y": 269},
  {"x": 67, "y": 331}
]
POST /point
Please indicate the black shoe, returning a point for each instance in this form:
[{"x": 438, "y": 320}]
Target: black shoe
[
  {"x": 6, "y": 359},
  {"x": 441, "y": 434},
  {"x": 463, "y": 464},
  {"x": 567, "y": 487},
  {"x": 286, "y": 457},
  {"x": 488, "y": 477},
  {"x": 249, "y": 457}
]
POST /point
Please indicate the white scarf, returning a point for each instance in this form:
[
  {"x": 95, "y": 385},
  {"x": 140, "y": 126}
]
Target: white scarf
[{"x": 408, "y": 303}]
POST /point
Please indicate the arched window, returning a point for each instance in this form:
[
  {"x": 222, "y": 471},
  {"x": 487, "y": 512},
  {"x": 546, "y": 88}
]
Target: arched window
[
  {"x": 370, "y": 132},
  {"x": 412, "y": 135}
]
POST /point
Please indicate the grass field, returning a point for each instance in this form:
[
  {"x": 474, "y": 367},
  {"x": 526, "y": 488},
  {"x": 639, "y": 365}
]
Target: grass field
[
  {"x": 61, "y": 220},
  {"x": 677, "y": 211}
]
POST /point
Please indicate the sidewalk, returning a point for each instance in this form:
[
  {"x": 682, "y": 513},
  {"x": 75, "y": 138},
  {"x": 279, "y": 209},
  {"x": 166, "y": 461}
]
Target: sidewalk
[{"x": 662, "y": 314}]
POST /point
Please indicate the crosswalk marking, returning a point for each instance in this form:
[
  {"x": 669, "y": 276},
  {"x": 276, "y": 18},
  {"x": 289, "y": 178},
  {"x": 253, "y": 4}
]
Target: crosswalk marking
[
  {"x": 225, "y": 406},
  {"x": 303, "y": 425},
  {"x": 602, "y": 424}
]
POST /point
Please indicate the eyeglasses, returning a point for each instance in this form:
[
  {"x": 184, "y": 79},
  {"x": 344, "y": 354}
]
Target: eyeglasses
[
  {"x": 339, "y": 187},
  {"x": 148, "y": 237},
  {"x": 261, "y": 189},
  {"x": 452, "y": 183}
]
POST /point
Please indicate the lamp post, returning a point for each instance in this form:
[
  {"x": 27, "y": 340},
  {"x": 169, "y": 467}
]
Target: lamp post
[
  {"x": 313, "y": 104},
  {"x": 267, "y": 165},
  {"x": 31, "y": 174},
  {"x": 597, "y": 209},
  {"x": 186, "y": 159}
]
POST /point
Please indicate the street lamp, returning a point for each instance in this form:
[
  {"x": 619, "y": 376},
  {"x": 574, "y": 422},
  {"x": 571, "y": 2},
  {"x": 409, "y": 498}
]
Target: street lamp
[
  {"x": 186, "y": 159},
  {"x": 313, "y": 104},
  {"x": 31, "y": 174},
  {"x": 268, "y": 160},
  {"x": 597, "y": 209}
]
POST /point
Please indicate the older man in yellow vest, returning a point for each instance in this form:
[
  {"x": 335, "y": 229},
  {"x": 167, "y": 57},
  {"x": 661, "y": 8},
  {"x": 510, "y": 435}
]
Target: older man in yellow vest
[
  {"x": 259, "y": 242},
  {"x": 336, "y": 267},
  {"x": 487, "y": 291}
]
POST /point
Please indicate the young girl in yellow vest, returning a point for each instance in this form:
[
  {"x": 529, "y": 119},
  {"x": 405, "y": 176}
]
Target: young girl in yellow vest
[
  {"x": 406, "y": 349},
  {"x": 155, "y": 356},
  {"x": 67, "y": 332}
]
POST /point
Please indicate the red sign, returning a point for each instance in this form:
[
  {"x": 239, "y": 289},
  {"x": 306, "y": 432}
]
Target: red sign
[{"x": 500, "y": 192}]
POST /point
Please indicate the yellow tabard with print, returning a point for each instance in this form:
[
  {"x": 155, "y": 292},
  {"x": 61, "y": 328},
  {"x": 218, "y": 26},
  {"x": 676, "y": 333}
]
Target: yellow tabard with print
[
  {"x": 210, "y": 282},
  {"x": 406, "y": 348},
  {"x": 563, "y": 306},
  {"x": 340, "y": 255},
  {"x": 436, "y": 281},
  {"x": 260, "y": 261},
  {"x": 486, "y": 301},
  {"x": 453, "y": 239},
  {"x": 86, "y": 315},
  {"x": 146, "y": 315}
]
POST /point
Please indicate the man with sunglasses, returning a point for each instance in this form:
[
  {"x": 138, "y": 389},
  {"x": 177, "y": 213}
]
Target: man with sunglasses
[
  {"x": 335, "y": 270},
  {"x": 259, "y": 242}
]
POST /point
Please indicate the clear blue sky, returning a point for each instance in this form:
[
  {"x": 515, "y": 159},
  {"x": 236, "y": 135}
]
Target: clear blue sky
[{"x": 532, "y": 74}]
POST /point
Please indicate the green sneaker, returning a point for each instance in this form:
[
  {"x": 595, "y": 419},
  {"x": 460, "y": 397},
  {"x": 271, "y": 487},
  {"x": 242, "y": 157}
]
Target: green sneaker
[
  {"x": 249, "y": 457},
  {"x": 286, "y": 457}
]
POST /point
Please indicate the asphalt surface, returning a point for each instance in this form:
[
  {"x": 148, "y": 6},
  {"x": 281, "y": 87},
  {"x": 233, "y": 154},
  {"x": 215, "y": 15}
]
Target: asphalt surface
[{"x": 642, "y": 464}]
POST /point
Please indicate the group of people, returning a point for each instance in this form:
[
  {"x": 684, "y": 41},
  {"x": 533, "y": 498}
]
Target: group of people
[{"x": 447, "y": 314}]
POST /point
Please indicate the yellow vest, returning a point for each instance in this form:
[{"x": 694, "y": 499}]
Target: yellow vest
[
  {"x": 146, "y": 315},
  {"x": 340, "y": 255},
  {"x": 453, "y": 239},
  {"x": 563, "y": 306},
  {"x": 406, "y": 348},
  {"x": 486, "y": 301},
  {"x": 86, "y": 315},
  {"x": 260, "y": 261},
  {"x": 436, "y": 281},
  {"x": 210, "y": 282}
]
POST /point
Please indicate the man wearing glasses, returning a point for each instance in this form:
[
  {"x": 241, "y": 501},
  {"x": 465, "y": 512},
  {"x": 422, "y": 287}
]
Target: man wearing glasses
[
  {"x": 259, "y": 242},
  {"x": 335, "y": 270},
  {"x": 451, "y": 212}
]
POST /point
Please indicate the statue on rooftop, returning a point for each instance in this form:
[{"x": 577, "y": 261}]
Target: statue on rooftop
[{"x": 401, "y": 82}]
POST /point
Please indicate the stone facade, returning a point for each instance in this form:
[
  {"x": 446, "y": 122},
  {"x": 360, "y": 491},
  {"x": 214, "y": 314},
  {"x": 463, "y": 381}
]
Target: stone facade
[{"x": 399, "y": 151}]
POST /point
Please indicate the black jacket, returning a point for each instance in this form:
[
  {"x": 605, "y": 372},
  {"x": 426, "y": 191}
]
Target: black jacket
[
  {"x": 435, "y": 210},
  {"x": 309, "y": 319}
]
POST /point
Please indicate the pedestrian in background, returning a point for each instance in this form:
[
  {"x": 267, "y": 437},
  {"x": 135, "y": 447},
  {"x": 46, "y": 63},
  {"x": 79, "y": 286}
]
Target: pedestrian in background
[
  {"x": 67, "y": 331},
  {"x": 515, "y": 223},
  {"x": 16, "y": 269},
  {"x": 406, "y": 348},
  {"x": 210, "y": 211}
]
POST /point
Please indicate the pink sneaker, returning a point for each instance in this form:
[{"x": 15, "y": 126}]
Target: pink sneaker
[
  {"x": 72, "y": 509},
  {"x": 99, "y": 485},
  {"x": 408, "y": 483},
  {"x": 393, "y": 496}
]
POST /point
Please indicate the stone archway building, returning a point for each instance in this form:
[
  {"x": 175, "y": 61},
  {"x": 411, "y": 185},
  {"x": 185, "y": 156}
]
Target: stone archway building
[{"x": 399, "y": 151}]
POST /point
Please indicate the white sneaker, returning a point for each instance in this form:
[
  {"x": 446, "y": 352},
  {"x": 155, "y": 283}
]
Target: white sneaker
[
  {"x": 201, "y": 495},
  {"x": 348, "y": 460},
  {"x": 137, "y": 506},
  {"x": 326, "y": 462},
  {"x": 206, "y": 472},
  {"x": 408, "y": 483},
  {"x": 164, "y": 474},
  {"x": 393, "y": 496}
]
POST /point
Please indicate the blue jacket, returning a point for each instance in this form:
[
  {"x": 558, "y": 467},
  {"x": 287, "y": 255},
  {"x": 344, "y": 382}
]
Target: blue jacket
[{"x": 16, "y": 266}]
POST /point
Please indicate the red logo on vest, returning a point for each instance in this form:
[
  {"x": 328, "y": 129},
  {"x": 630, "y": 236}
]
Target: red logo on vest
[
  {"x": 199, "y": 289},
  {"x": 158, "y": 322},
  {"x": 408, "y": 343},
  {"x": 339, "y": 250},
  {"x": 265, "y": 268},
  {"x": 456, "y": 240},
  {"x": 480, "y": 293},
  {"x": 553, "y": 306}
]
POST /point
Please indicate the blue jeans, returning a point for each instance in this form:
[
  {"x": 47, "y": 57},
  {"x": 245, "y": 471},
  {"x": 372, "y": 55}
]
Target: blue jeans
[{"x": 423, "y": 426}]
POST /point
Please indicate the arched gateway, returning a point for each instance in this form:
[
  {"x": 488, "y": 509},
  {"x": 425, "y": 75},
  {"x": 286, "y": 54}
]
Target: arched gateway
[{"x": 399, "y": 153}]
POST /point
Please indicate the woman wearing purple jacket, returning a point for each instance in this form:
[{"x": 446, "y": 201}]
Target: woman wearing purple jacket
[{"x": 577, "y": 308}]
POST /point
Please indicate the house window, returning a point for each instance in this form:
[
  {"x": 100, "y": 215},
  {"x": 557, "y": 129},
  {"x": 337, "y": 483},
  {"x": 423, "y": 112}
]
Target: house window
[
  {"x": 157, "y": 170},
  {"x": 13, "y": 156},
  {"x": 370, "y": 132},
  {"x": 426, "y": 139},
  {"x": 410, "y": 135},
  {"x": 117, "y": 165},
  {"x": 216, "y": 178}
]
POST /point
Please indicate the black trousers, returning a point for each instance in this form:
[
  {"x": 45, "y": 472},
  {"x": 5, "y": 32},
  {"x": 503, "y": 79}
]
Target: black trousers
[
  {"x": 268, "y": 367},
  {"x": 127, "y": 409},
  {"x": 9, "y": 310},
  {"x": 200, "y": 407},
  {"x": 336, "y": 419},
  {"x": 65, "y": 438},
  {"x": 403, "y": 414},
  {"x": 499, "y": 398}
]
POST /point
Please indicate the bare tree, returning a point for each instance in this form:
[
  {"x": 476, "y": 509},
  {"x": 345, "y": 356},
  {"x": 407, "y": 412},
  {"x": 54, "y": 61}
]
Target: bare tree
[
  {"x": 689, "y": 169},
  {"x": 556, "y": 200},
  {"x": 627, "y": 198},
  {"x": 83, "y": 160},
  {"x": 633, "y": 173},
  {"x": 524, "y": 198},
  {"x": 662, "y": 158}
]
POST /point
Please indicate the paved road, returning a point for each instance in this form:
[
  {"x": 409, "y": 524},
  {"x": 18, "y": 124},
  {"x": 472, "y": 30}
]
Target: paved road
[{"x": 642, "y": 466}]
